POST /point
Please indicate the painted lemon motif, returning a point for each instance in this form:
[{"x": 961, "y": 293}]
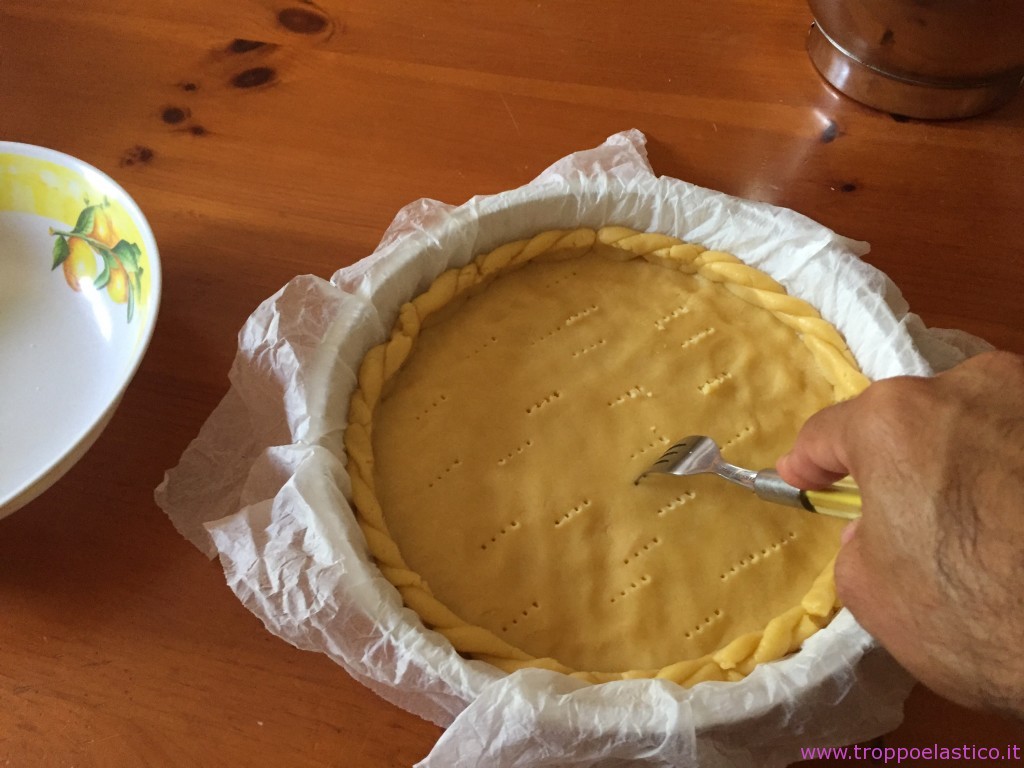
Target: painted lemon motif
[
  {"x": 103, "y": 228},
  {"x": 103, "y": 232},
  {"x": 117, "y": 286},
  {"x": 81, "y": 265},
  {"x": 93, "y": 253}
]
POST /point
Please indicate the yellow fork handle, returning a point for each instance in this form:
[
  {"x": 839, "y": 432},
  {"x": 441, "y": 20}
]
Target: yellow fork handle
[
  {"x": 835, "y": 501},
  {"x": 839, "y": 500}
]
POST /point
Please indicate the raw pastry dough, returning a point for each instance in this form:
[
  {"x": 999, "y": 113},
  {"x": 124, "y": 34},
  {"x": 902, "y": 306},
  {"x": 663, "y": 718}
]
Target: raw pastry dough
[{"x": 494, "y": 440}]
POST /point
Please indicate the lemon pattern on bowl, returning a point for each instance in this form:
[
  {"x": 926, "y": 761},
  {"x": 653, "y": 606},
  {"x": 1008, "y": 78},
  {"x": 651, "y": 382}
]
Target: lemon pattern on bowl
[
  {"x": 93, "y": 253},
  {"x": 100, "y": 244}
]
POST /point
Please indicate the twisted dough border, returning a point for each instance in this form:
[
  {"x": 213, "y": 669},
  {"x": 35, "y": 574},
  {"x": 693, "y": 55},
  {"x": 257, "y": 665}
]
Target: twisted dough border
[{"x": 783, "y": 634}]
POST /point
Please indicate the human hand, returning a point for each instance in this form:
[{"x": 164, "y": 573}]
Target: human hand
[{"x": 934, "y": 568}]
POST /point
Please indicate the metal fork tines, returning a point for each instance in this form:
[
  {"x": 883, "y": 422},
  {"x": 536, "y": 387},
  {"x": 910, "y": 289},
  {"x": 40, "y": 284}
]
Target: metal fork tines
[{"x": 698, "y": 454}]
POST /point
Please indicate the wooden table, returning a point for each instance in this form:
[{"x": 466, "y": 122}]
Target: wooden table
[{"x": 268, "y": 138}]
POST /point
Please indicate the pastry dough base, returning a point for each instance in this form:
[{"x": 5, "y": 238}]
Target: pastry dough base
[{"x": 494, "y": 459}]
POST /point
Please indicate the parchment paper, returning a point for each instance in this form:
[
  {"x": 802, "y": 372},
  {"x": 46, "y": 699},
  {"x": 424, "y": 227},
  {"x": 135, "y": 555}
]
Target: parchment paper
[{"x": 264, "y": 487}]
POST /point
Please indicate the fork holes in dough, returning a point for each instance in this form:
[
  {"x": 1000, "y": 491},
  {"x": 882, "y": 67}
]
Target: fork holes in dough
[
  {"x": 657, "y": 441},
  {"x": 560, "y": 279},
  {"x": 642, "y": 550},
  {"x": 517, "y": 451},
  {"x": 738, "y": 436},
  {"x": 677, "y": 502},
  {"x": 633, "y": 393},
  {"x": 583, "y": 313},
  {"x": 445, "y": 473},
  {"x": 543, "y": 402},
  {"x": 633, "y": 587},
  {"x": 437, "y": 403},
  {"x": 570, "y": 321},
  {"x": 572, "y": 513},
  {"x": 486, "y": 343},
  {"x": 712, "y": 384},
  {"x": 704, "y": 624},
  {"x": 522, "y": 616},
  {"x": 503, "y": 531},
  {"x": 589, "y": 348},
  {"x": 662, "y": 323},
  {"x": 752, "y": 557},
  {"x": 697, "y": 337}
]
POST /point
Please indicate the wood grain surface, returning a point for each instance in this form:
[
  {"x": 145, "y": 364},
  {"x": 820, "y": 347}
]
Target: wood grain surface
[{"x": 269, "y": 138}]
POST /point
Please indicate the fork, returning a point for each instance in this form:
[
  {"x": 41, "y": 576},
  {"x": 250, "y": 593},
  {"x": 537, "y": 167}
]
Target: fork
[{"x": 699, "y": 454}]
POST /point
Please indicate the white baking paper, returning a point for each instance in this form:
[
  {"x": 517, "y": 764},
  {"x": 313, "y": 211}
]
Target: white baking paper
[{"x": 264, "y": 487}]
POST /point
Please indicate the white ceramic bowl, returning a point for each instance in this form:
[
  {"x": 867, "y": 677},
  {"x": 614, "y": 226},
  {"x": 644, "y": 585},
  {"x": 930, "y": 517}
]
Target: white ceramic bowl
[{"x": 79, "y": 292}]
